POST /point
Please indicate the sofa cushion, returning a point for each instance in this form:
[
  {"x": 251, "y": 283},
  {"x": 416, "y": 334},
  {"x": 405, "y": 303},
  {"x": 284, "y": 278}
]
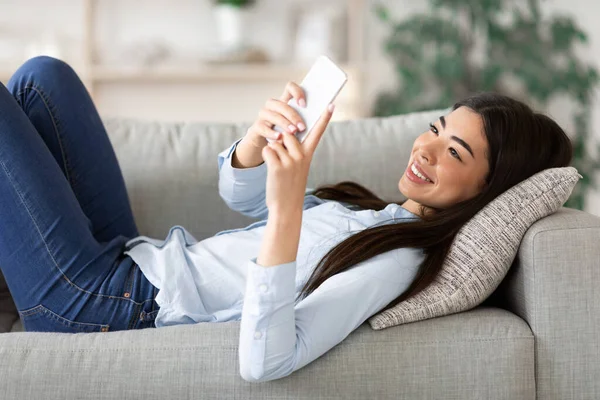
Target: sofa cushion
[
  {"x": 484, "y": 249},
  {"x": 435, "y": 359}
]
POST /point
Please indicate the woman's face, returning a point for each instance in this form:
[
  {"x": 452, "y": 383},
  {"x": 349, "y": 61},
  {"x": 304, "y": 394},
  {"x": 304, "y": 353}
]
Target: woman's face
[{"x": 456, "y": 173}]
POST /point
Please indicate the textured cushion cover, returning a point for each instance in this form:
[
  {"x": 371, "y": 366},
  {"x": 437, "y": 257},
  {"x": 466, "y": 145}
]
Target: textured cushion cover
[{"x": 484, "y": 249}]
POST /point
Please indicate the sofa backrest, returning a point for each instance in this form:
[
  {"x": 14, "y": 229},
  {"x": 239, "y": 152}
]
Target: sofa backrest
[{"x": 171, "y": 171}]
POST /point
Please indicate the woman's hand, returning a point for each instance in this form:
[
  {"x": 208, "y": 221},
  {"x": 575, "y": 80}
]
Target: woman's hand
[
  {"x": 288, "y": 163},
  {"x": 278, "y": 112}
]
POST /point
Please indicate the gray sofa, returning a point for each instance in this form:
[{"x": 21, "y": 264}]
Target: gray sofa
[{"x": 536, "y": 337}]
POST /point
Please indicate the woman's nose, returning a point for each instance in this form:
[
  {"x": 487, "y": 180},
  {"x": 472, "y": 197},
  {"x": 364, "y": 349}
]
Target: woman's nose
[
  {"x": 424, "y": 157},
  {"x": 428, "y": 153}
]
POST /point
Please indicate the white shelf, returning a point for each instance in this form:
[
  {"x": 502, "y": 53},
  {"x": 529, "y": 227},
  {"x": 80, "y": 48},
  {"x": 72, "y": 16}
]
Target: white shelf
[
  {"x": 205, "y": 73},
  {"x": 208, "y": 73}
]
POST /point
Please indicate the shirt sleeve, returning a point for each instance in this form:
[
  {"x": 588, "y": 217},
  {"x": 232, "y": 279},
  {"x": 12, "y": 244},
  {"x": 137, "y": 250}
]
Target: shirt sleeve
[
  {"x": 242, "y": 189},
  {"x": 278, "y": 337},
  {"x": 245, "y": 189}
]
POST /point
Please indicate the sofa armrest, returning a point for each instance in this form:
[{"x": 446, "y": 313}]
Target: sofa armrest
[{"x": 554, "y": 286}]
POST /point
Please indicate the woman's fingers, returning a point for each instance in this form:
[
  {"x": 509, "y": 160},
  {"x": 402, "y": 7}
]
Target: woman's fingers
[
  {"x": 275, "y": 118},
  {"x": 279, "y": 113},
  {"x": 290, "y": 147},
  {"x": 292, "y": 144},
  {"x": 269, "y": 155},
  {"x": 312, "y": 140},
  {"x": 282, "y": 154},
  {"x": 265, "y": 130},
  {"x": 293, "y": 91},
  {"x": 261, "y": 129},
  {"x": 288, "y": 112}
]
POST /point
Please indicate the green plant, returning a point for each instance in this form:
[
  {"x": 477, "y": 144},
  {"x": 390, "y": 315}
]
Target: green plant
[
  {"x": 235, "y": 3},
  {"x": 460, "y": 47}
]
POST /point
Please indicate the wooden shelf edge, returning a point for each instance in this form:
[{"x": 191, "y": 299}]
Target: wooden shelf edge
[{"x": 208, "y": 73}]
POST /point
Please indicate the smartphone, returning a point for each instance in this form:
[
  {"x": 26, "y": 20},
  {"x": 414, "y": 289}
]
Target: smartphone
[{"x": 321, "y": 86}]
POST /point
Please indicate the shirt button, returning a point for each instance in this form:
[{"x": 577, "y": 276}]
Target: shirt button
[
  {"x": 376, "y": 213},
  {"x": 263, "y": 288},
  {"x": 257, "y": 335}
]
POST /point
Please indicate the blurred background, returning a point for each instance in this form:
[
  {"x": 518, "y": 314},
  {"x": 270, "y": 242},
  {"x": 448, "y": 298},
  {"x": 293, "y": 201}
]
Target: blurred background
[{"x": 220, "y": 60}]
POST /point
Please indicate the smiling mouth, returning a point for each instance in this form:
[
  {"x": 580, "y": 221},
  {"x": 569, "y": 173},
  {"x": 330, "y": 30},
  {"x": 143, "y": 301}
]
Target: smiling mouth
[{"x": 417, "y": 174}]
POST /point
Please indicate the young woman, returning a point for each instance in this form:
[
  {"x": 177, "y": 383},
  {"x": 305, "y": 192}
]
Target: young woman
[{"x": 315, "y": 266}]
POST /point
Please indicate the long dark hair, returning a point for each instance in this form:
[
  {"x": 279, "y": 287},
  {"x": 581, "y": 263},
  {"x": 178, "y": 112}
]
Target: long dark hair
[{"x": 521, "y": 143}]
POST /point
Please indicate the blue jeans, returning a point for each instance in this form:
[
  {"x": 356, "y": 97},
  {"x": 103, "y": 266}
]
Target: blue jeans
[{"x": 64, "y": 211}]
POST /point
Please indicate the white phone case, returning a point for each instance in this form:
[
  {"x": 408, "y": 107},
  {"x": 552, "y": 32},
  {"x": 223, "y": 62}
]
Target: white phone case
[{"x": 321, "y": 85}]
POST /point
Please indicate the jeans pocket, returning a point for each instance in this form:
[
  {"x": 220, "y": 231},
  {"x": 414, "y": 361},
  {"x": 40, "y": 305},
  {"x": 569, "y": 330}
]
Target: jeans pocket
[{"x": 41, "y": 319}]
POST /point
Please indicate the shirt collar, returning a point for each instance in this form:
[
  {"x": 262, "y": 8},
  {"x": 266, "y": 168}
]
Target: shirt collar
[{"x": 400, "y": 212}]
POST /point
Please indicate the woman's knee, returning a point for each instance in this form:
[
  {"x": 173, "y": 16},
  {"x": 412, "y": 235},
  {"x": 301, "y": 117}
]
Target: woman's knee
[
  {"x": 48, "y": 69},
  {"x": 47, "y": 64}
]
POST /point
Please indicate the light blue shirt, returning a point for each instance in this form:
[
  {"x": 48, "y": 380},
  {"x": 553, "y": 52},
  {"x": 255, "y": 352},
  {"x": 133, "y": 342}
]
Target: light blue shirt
[{"x": 218, "y": 279}]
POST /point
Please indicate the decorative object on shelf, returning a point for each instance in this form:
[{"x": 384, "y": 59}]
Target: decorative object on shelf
[
  {"x": 146, "y": 53},
  {"x": 320, "y": 29},
  {"x": 231, "y": 17},
  {"x": 440, "y": 60},
  {"x": 245, "y": 56}
]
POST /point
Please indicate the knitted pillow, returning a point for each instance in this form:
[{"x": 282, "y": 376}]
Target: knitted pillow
[{"x": 484, "y": 249}]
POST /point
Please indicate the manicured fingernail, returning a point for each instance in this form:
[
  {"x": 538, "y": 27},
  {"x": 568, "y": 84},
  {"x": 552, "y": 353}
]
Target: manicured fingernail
[
  {"x": 277, "y": 136},
  {"x": 301, "y": 126},
  {"x": 331, "y": 107},
  {"x": 292, "y": 128},
  {"x": 302, "y": 103}
]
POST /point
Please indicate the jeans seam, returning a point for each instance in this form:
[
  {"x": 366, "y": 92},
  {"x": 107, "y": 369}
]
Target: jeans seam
[
  {"x": 53, "y": 119},
  {"x": 64, "y": 321},
  {"x": 130, "y": 280},
  {"x": 108, "y": 296},
  {"x": 31, "y": 311},
  {"x": 135, "y": 317}
]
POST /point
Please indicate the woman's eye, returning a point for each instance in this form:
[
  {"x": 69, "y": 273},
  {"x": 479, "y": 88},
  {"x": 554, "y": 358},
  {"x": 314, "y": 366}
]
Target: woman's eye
[
  {"x": 452, "y": 151},
  {"x": 455, "y": 152}
]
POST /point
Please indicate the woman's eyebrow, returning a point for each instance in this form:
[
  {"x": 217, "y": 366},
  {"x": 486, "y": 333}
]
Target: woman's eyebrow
[{"x": 457, "y": 139}]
